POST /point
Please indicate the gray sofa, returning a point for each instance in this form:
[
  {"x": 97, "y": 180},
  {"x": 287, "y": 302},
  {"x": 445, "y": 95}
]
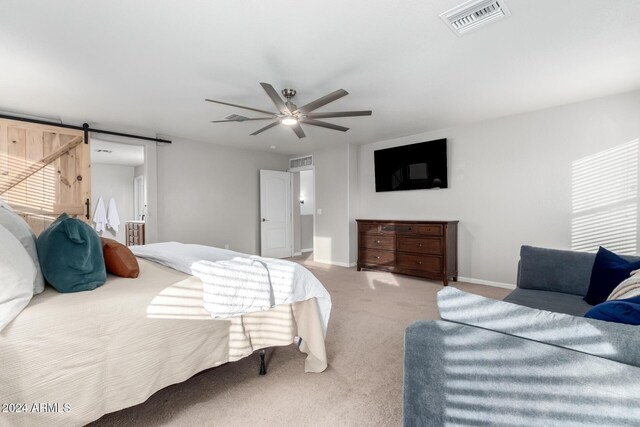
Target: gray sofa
[{"x": 499, "y": 364}]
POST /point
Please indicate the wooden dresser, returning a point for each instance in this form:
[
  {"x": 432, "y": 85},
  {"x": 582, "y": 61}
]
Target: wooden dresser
[
  {"x": 419, "y": 248},
  {"x": 134, "y": 232}
]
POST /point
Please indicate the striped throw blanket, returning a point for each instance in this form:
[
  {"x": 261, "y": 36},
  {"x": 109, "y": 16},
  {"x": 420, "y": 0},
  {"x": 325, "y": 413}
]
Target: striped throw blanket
[{"x": 629, "y": 288}]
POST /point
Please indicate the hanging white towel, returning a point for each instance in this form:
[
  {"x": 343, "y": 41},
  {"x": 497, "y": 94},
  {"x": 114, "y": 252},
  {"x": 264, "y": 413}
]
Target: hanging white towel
[
  {"x": 113, "y": 220},
  {"x": 100, "y": 216}
]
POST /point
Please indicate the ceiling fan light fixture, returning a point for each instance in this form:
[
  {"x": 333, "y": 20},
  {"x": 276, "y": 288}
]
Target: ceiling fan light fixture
[{"x": 289, "y": 121}]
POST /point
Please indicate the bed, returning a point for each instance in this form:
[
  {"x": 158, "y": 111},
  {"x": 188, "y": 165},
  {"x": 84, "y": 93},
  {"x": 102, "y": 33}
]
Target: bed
[{"x": 128, "y": 339}]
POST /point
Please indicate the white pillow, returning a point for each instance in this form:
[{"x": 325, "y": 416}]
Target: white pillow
[
  {"x": 21, "y": 230},
  {"x": 17, "y": 273}
]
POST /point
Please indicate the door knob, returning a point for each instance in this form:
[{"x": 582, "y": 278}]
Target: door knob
[{"x": 264, "y": 220}]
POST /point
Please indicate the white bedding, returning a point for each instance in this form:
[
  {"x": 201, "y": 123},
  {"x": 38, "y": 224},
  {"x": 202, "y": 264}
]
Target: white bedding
[
  {"x": 89, "y": 353},
  {"x": 236, "y": 283}
]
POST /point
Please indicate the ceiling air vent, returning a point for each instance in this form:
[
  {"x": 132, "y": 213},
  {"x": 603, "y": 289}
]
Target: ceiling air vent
[
  {"x": 236, "y": 117},
  {"x": 474, "y": 14},
  {"x": 300, "y": 162}
]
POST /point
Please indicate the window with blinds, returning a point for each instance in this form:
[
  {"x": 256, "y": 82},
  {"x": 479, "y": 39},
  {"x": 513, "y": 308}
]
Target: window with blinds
[{"x": 605, "y": 200}]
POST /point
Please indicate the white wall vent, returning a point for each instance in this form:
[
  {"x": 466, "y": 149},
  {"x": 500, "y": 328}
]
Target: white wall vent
[
  {"x": 474, "y": 14},
  {"x": 300, "y": 162},
  {"x": 236, "y": 117}
]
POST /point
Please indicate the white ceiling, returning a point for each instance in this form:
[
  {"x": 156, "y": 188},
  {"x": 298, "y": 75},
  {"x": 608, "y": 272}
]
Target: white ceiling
[
  {"x": 147, "y": 66},
  {"x": 115, "y": 153}
]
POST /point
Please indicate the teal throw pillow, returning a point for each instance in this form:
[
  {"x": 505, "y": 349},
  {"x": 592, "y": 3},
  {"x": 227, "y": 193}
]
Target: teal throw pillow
[{"x": 70, "y": 254}]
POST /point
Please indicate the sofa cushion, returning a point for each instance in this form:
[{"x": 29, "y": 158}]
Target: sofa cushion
[
  {"x": 609, "y": 270},
  {"x": 619, "y": 311},
  {"x": 71, "y": 255},
  {"x": 554, "y": 270},
  {"x": 613, "y": 341},
  {"x": 550, "y": 301},
  {"x": 457, "y": 375}
]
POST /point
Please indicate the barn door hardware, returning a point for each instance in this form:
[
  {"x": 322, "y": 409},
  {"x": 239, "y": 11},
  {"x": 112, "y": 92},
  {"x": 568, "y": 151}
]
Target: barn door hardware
[{"x": 85, "y": 128}]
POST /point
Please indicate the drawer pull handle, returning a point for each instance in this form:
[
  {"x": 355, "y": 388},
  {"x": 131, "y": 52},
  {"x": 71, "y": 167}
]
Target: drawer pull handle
[
  {"x": 377, "y": 257},
  {"x": 378, "y": 241},
  {"x": 419, "y": 245},
  {"x": 419, "y": 262}
]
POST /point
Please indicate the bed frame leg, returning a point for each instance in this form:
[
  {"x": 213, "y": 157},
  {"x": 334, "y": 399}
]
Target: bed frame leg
[{"x": 263, "y": 368}]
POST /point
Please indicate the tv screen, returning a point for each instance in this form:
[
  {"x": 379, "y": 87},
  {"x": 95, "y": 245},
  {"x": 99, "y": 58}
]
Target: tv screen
[{"x": 412, "y": 167}]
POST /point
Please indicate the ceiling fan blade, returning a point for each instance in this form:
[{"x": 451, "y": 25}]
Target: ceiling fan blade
[
  {"x": 298, "y": 130},
  {"x": 241, "y": 106},
  {"x": 313, "y": 105},
  {"x": 339, "y": 114},
  {"x": 241, "y": 120},
  {"x": 269, "y": 126},
  {"x": 324, "y": 124},
  {"x": 280, "y": 105}
]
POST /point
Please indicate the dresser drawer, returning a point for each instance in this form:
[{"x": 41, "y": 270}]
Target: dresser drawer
[
  {"x": 378, "y": 257},
  {"x": 368, "y": 228},
  {"x": 422, "y": 245},
  {"x": 435, "y": 229},
  {"x": 378, "y": 242},
  {"x": 419, "y": 262},
  {"x": 398, "y": 228}
]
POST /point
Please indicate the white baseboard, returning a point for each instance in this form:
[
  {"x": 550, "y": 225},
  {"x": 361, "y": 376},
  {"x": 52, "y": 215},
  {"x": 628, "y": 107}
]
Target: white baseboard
[
  {"x": 486, "y": 282},
  {"x": 297, "y": 253},
  {"x": 307, "y": 250},
  {"x": 336, "y": 263}
]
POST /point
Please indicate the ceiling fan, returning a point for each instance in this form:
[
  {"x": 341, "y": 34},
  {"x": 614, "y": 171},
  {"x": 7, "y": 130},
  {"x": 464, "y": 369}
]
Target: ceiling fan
[{"x": 289, "y": 114}]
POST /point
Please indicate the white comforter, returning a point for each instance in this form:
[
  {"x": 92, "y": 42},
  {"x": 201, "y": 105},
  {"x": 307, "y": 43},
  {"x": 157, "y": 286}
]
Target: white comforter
[{"x": 235, "y": 283}]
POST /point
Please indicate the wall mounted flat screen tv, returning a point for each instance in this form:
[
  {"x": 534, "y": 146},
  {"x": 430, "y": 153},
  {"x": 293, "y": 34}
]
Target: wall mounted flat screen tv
[{"x": 412, "y": 167}]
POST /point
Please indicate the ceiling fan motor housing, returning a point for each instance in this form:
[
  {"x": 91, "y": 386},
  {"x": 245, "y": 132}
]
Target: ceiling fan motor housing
[{"x": 288, "y": 93}]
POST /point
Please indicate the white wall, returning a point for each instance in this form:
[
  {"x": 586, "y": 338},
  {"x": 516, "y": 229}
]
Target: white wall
[
  {"x": 113, "y": 181},
  {"x": 510, "y": 180},
  {"x": 209, "y": 194},
  {"x": 331, "y": 240},
  {"x": 353, "y": 196}
]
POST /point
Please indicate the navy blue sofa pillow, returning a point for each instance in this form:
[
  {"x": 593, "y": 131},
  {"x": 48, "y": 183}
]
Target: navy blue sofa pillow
[
  {"x": 70, "y": 254},
  {"x": 609, "y": 270},
  {"x": 619, "y": 311}
]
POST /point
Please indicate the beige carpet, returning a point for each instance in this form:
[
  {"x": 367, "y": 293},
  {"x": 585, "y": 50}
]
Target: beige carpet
[{"x": 362, "y": 386}]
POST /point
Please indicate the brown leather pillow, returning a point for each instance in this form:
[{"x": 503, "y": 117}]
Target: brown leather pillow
[{"x": 118, "y": 259}]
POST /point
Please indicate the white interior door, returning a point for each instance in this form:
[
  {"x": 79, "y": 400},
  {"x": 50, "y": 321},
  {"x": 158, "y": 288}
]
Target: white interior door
[{"x": 275, "y": 214}]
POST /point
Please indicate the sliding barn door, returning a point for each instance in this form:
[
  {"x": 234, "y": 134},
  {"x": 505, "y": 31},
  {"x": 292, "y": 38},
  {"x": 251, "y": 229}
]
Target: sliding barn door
[{"x": 44, "y": 172}]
